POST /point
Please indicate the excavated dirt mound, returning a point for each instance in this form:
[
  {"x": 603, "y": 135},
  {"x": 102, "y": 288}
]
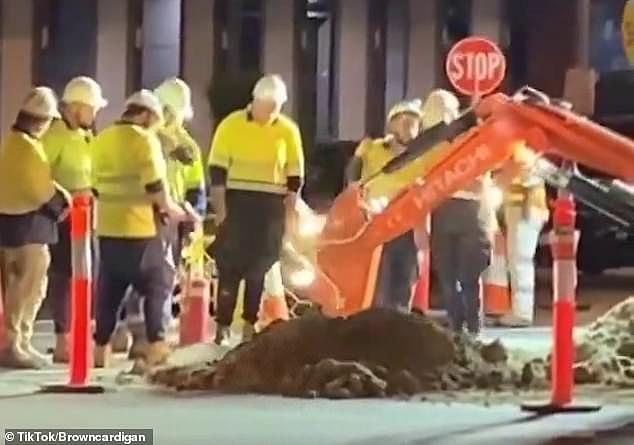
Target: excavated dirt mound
[
  {"x": 375, "y": 353},
  {"x": 379, "y": 353},
  {"x": 604, "y": 352},
  {"x": 605, "y": 349}
]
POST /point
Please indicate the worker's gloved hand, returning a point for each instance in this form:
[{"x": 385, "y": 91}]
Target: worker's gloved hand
[
  {"x": 192, "y": 215},
  {"x": 183, "y": 155}
]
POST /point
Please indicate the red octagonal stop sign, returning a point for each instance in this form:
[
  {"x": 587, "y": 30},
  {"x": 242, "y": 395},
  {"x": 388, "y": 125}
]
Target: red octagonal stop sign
[{"x": 475, "y": 66}]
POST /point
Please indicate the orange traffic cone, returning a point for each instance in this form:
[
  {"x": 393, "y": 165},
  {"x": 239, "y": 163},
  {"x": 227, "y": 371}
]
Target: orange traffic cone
[
  {"x": 194, "y": 316},
  {"x": 273, "y": 305},
  {"x": 497, "y": 298}
]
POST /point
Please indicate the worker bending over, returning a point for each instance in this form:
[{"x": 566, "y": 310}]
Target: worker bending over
[
  {"x": 67, "y": 148},
  {"x": 256, "y": 167},
  {"x": 31, "y": 205},
  {"x": 129, "y": 180},
  {"x": 399, "y": 267},
  {"x": 186, "y": 180},
  {"x": 525, "y": 211},
  {"x": 460, "y": 233}
]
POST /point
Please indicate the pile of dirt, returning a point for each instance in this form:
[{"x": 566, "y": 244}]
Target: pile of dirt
[
  {"x": 605, "y": 348},
  {"x": 376, "y": 353},
  {"x": 604, "y": 352}
]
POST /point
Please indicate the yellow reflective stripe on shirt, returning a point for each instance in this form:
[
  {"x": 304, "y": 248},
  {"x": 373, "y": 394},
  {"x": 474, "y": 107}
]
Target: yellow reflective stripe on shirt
[
  {"x": 118, "y": 179},
  {"x": 255, "y": 186},
  {"x": 124, "y": 199}
]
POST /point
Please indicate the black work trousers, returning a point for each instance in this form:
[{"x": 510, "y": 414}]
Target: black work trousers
[
  {"x": 247, "y": 244},
  {"x": 60, "y": 275},
  {"x": 398, "y": 271},
  {"x": 460, "y": 250},
  {"x": 142, "y": 264}
]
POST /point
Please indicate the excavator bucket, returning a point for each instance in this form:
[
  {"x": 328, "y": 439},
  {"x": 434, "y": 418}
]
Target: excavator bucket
[{"x": 346, "y": 222}]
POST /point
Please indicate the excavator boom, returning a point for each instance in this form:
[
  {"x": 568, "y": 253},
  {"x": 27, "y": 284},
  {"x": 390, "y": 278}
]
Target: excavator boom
[{"x": 350, "y": 244}]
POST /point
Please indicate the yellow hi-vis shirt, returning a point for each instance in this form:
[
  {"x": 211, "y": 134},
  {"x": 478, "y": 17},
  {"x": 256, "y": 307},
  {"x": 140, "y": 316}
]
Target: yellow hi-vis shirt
[
  {"x": 182, "y": 177},
  {"x": 68, "y": 152},
  {"x": 526, "y": 190},
  {"x": 126, "y": 158},
  {"x": 26, "y": 183},
  {"x": 376, "y": 153},
  {"x": 257, "y": 157}
]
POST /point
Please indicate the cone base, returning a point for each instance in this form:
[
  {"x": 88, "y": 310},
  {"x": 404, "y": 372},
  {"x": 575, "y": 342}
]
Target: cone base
[
  {"x": 72, "y": 389},
  {"x": 549, "y": 407}
]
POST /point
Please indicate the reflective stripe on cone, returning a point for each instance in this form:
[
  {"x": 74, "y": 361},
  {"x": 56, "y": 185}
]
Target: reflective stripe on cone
[{"x": 497, "y": 298}]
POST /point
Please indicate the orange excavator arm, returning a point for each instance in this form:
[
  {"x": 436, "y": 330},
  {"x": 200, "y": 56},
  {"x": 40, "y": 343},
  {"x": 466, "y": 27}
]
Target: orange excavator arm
[{"x": 350, "y": 244}]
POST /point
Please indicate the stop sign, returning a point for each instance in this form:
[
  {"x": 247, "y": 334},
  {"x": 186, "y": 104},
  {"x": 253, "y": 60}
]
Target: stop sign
[{"x": 475, "y": 66}]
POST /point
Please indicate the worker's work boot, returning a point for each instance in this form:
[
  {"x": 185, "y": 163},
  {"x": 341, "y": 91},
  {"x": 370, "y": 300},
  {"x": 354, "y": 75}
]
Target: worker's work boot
[
  {"x": 41, "y": 360},
  {"x": 138, "y": 348},
  {"x": 61, "y": 353},
  {"x": 510, "y": 320},
  {"x": 120, "y": 339},
  {"x": 248, "y": 331},
  {"x": 103, "y": 356},
  {"x": 156, "y": 353},
  {"x": 15, "y": 358},
  {"x": 222, "y": 334}
]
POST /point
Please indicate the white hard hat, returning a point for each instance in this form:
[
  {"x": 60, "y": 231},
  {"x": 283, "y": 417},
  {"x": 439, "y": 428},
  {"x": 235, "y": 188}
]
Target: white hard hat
[
  {"x": 271, "y": 87},
  {"x": 146, "y": 99},
  {"x": 84, "y": 90},
  {"x": 440, "y": 106},
  {"x": 406, "y": 106},
  {"x": 41, "y": 102},
  {"x": 176, "y": 95}
]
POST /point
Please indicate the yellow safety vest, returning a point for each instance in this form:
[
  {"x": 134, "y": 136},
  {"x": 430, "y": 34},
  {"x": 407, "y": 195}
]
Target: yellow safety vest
[
  {"x": 26, "y": 183},
  {"x": 257, "y": 157},
  {"x": 181, "y": 177},
  {"x": 126, "y": 158},
  {"x": 525, "y": 190},
  {"x": 68, "y": 152}
]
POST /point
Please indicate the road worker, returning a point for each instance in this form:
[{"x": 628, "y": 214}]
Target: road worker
[
  {"x": 525, "y": 211},
  {"x": 186, "y": 180},
  {"x": 129, "y": 181},
  {"x": 67, "y": 147},
  {"x": 398, "y": 268},
  {"x": 31, "y": 205},
  {"x": 256, "y": 166},
  {"x": 460, "y": 233}
]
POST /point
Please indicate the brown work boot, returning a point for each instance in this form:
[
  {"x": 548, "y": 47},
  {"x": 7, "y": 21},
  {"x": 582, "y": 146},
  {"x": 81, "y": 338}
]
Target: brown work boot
[
  {"x": 248, "y": 331},
  {"x": 60, "y": 353},
  {"x": 120, "y": 339},
  {"x": 156, "y": 353},
  {"x": 103, "y": 356},
  {"x": 138, "y": 348},
  {"x": 222, "y": 334}
]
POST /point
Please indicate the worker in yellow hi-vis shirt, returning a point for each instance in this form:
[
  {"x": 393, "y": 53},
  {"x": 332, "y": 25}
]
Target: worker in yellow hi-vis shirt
[
  {"x": 129, "y": 180},
  {"x": 256, "y": 167},
  {"x": 399, "y": 267},
  {"x": 67, "y": 147},
  {"x": 31, "y": 204},
  {"x": 525, "y": 212},
  {"x": 186, "y": 180}
]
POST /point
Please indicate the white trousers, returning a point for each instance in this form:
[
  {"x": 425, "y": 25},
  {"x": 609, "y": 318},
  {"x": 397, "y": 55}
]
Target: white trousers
[{"x": 522, "y": 236}]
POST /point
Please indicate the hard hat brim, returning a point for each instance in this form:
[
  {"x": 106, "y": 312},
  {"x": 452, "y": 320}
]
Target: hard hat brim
[{"x": 101, "y": 103}]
